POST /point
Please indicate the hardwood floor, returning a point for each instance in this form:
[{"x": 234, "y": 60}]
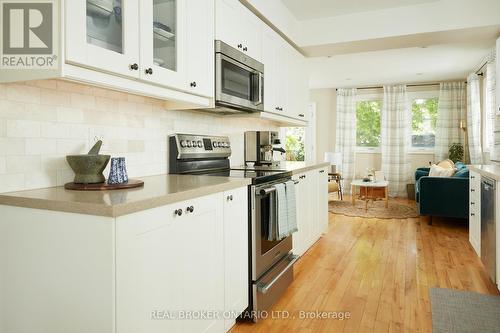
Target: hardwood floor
[{"x": 380, "y": 271}]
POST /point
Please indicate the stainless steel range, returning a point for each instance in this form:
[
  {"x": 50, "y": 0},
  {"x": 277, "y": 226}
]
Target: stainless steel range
[{"x": 270, "y": 261}]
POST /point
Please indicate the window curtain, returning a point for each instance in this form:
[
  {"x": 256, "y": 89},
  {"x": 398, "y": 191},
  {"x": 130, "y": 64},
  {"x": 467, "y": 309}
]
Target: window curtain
[
  {"x": 474, "y": 119},
  {"x": 345, "y": 142},
  {"x": 490, "y": 107},
  {"x": 395, "y": 139},
  {"x": 451, "y": 111}
]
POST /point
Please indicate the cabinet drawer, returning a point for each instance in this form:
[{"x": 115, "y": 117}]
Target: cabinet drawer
[{"x": 152, "y": 219}]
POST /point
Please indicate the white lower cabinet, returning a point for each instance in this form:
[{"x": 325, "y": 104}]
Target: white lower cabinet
[
  {"x": 475, "y": 211},
  {"x": 172, "y": 268},
  {"x": 312, "y": 208},
  {"x": 181, "y": 267},
  {"x": 169, "y": 264},
  {"x": 235, "y": 254}
]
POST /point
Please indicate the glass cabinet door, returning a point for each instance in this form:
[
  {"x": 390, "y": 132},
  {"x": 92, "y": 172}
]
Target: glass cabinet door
[
  {"x": 104, "y": 24},
  {"x": 165, "y": 34},
  {"x": 161, "y": 41},
  {"x": 104, "y": 34}
]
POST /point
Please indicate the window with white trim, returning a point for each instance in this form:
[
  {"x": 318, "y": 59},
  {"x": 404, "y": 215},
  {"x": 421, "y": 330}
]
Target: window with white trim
[{"x": 423, "y": 122}]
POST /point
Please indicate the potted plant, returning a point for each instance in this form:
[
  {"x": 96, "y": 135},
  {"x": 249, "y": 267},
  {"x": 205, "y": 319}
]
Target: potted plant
[{"x": 456, "y": 152}]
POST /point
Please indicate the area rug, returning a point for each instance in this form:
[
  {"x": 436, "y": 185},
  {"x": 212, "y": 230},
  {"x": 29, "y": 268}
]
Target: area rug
[
  {"x": 375, "y": 209},
  {"x": 460, "y": 311}
]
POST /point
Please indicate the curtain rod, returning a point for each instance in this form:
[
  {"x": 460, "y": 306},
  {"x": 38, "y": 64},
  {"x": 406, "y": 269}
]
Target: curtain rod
[{"x": 408, "y": 85}]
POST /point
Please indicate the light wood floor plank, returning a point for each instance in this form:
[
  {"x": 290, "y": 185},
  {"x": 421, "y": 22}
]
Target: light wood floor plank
[{"x": 379, "y": 270}]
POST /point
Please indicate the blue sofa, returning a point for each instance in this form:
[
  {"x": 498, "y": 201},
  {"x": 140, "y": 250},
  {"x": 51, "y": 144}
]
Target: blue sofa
[{"x": 443, "y": 196}]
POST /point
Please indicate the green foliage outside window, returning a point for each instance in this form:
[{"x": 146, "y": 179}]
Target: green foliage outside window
[
  {"x": 295, "y": 144},
  {"x": 368, "y": 123},
  {"x": 424, "y": 119}
]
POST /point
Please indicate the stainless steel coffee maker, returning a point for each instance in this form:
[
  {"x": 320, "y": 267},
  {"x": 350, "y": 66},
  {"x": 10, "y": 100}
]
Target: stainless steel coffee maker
[{"x": 260, "y": 147}]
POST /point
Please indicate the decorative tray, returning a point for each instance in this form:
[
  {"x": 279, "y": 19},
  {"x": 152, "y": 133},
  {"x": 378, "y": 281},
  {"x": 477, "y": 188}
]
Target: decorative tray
[{"x": 132, "y": 183}]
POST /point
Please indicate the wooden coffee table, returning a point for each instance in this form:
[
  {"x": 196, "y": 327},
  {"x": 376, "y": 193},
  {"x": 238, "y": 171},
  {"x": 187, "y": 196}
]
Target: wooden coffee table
[{"x": 370, "y": 187}]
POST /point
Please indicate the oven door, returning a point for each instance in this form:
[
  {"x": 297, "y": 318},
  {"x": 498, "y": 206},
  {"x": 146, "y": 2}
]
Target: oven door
[
  {"x": 237, "y": 85},
  {"x": 265, "y": 253}
]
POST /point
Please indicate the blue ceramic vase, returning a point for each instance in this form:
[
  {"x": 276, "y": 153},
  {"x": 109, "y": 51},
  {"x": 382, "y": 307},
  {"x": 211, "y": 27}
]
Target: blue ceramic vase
[{"x": 117, "y": 171}]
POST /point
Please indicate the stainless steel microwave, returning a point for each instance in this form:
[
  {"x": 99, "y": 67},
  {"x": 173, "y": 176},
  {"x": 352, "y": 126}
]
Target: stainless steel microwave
[{"x": 239, "y": 81}]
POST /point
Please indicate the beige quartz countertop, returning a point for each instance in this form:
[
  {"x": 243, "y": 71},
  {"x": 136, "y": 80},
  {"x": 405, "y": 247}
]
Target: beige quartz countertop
[
  {"x": 489, "y": 170},
  {"x": 157, "y": 191}
]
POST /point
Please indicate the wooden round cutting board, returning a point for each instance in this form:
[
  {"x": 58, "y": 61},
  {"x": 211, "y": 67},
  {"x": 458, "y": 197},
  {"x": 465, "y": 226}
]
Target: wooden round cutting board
[{"x": 132, "y": 183}]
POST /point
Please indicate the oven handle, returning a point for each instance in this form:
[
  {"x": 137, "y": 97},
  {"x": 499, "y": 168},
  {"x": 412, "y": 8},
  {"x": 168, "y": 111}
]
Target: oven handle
[
  {"x": 264, "y": 289},
  {"x": 266, "y": 191}
]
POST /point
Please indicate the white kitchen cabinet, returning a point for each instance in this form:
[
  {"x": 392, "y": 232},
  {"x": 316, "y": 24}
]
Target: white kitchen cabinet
[
  {"x": 238, "y": 27},
  {"x": 286, "y": 86},
  {"x": 167, "y": 263},
  {"x": 235, "y": 254},
  {"x": 183, "y": 56},
  {"x": 200, "y": 29},
  {"x": 303, "y": 221},
  {"x": 105, "y": 38},
  {"x": 312, "y": 208},
  {"x": 475, "y": 211},
  {"x": 163, "y": 42},
  {"x": 322, "y": 200}
]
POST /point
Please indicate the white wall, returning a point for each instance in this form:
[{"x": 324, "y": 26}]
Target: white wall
[
  {"x": 325, "y": 121},
  {"x": 43, "y": 121}
]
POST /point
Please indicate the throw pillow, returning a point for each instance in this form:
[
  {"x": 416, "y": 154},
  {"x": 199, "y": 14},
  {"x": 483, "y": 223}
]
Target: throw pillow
[
  {"x": 447, "y": 164},
  {"x": 438, "y": 171},
  {"x": 462, "y": 173}
]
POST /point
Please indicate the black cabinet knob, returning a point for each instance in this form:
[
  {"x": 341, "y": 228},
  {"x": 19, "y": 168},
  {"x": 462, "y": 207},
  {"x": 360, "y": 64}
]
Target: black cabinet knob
[
  {"x": 245, "y": 49},
  {"x": 321, "y": 171},
  {"x": 149, "y": 71},
  {"x": 193, "y": 84},
  {"x": 178, "y": 212},
  {"x": 472, "y": 214},
  {"x": 190, "y": 209},
  {"x": 301, "y": 115},
  {"x": 240, "y": 46},
  {"x": 134, "y": 67},
  {"x": 473, "y": 190}
]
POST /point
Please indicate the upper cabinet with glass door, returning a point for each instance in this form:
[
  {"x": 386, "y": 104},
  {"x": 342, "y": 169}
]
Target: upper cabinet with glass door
[
  {"x": 162, "y": 41},
  {"x": 104, "y": 34}
]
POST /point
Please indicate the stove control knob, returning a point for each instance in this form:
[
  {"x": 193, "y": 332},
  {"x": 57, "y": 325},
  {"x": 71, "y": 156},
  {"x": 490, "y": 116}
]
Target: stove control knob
[
  {"x": 214, "y": 144},
  {"x": 189, "y": 144},
  {"x": 183, "y": 143},
  {"x": 219, "y": 144},
  {"x": 200, "y": 143},
  {"x": 194, "y": 143},
  {"x": 225, "y": 145}
]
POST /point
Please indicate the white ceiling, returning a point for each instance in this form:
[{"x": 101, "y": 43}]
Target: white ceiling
[
  {"x": 433, "y": 63},
  {"x": 313, "y": 9}
]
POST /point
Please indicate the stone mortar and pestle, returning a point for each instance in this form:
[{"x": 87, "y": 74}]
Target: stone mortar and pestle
[{"x": 88, "y": 167}]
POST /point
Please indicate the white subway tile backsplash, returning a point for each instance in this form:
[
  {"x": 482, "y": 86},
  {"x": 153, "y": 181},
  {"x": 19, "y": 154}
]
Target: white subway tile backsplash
[
  {"x": 3, "y": 128},
  {"x": 3, "y": 165},
  {"x": 39, "y": 179},
  {"x": 23, "y": 163},
  {"x": 11, "y": 146},
  {"x": 11, "y": 182},
  {"x": 69, "y": 115},
  {"x": 72, "y": 146},
  {"x": 60, "y": 118},
  {"x": 55, "y": 97},
  {"x": 80, "y": 101},
  {"x": 23, "y": 128},
  {"x": 22, "y": 93},
  {"x": 39, "y": 146}
]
